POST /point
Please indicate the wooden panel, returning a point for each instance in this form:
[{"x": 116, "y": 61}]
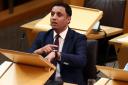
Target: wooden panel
[
  {"x": 16, "y": 70},
  {"x": 24, "y": 71},
  {"x": 1, "y": 5},
  {"x": 121, "y": 46},
  {"x": 24, "y": 11},
  {"x": 107, "y": 81},
  {"x": 113, "y": 73},
  {"x": 19, "y": 74},
  {"x": 26, "y": 58},
  {"x": 126, "y": 18},
  {"x": 123, "y": 56},
  {"x": 75, "y": 2}
]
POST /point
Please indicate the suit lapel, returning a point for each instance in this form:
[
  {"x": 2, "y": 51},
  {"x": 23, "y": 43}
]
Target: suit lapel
[
  {"x": 49, "y": 37},
  {"x": 68, "y": 40}
]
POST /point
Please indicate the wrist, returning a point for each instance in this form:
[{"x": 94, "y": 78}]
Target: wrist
[{"x": 57, "y": 55}]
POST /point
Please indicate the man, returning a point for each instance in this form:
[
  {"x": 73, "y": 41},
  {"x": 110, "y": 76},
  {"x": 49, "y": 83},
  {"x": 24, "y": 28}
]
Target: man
[{"x": 70, "y": 52}]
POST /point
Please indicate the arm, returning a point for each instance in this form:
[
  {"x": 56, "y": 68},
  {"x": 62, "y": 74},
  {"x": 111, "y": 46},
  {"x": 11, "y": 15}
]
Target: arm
[
  {"x": 78, "y": 57},
  {"x": 40, "y": 47}
]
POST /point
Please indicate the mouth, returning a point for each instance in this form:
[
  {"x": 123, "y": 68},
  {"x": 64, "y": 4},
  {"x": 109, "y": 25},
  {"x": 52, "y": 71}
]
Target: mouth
[{"x": 53, "y": 23}]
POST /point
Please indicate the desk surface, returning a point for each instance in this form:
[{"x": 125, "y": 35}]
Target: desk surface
[
  {"x": 82, "y": 19},
  {"x": 110, "y": 31},
  {"x": 121, "y": 46},
  {"x": 106, "y": 81},
  {"x": 117, "y": 40},
  {"x": 32, "y": 31},
  {"x": 6, "y": 64}
]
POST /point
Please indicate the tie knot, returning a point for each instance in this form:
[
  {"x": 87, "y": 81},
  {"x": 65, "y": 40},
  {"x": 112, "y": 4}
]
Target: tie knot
[{"x": 57, "y": 35}]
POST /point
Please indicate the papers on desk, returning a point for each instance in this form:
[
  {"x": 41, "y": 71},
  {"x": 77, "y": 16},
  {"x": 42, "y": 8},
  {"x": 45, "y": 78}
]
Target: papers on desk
[
  {"x": 4, "y": 66},
  {"x": 124, "y": 39},
  {"x": 126, "y": 67}
]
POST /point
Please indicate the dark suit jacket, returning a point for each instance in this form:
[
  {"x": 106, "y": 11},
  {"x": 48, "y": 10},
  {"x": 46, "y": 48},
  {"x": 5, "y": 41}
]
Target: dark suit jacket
[{"x": 73, "y": 55}]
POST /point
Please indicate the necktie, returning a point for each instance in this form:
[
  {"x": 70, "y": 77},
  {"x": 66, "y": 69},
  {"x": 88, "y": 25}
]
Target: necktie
[
  {"x": 57, "y": 74},
  {"x": 57, "y": 41}
]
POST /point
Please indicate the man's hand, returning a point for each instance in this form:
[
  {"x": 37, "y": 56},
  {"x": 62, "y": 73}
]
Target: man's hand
[
  {"x": 51, "y": 56},
  {"x": 46, "y": 49},
  {"x": 54, "y": 55},
  {"x": 57, "y": 55}
]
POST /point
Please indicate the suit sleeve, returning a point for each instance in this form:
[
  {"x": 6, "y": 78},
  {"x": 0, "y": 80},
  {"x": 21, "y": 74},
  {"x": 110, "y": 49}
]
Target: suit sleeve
[
  {"x": 37, "y": 43},
  {"x": 79, "y": 56}
]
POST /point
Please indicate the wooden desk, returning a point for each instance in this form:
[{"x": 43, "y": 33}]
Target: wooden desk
[
  {"x": 24, "y": 11},
  {"x": 31, "y": 31},
  {"x": 6, "y": 64},
  {"x": 121, "y": 49},
  {"x": 106, "y": 81},
  {"x": 110, "y": 31},
  {"x": 116, "y": 41}
]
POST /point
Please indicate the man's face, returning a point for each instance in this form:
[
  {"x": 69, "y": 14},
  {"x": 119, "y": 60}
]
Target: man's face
[{"x": 59, "y": 18}]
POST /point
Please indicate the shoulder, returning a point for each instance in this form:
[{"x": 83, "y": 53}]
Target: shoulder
[
  {"x": 76, "y": 34},
  {"x": 42, "y": 33},
  {"x": 41, "y": 36}
]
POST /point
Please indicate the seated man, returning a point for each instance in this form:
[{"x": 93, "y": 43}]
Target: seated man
[{"x": 62, "y": 46}]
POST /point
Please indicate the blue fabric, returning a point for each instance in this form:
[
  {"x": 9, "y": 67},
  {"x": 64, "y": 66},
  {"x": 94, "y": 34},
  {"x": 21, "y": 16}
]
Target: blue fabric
[{"x": 73, "y": 55}]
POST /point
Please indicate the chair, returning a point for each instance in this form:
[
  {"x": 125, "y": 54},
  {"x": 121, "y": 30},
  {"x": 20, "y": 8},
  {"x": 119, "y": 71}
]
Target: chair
[{"x": 90, "y": 69}]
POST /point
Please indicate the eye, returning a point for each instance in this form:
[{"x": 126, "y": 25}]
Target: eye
[
  {"x": 52, "y": 13},
  {"x": 59, "y": 14}
]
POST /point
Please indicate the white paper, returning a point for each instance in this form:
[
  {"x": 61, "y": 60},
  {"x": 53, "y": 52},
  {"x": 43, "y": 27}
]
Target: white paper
[
  {"x": 126, "y": 67},
  {"x": 4, "y": 66},
  {"x": 124, "y": 39}
]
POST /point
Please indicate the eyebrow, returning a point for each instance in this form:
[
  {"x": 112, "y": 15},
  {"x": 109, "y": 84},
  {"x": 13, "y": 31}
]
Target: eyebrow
[{"x": 57, "y": 12}]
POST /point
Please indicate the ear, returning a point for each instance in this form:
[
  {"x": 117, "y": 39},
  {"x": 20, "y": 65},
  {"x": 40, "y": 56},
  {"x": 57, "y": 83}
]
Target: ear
[{"x": 69, "y": 19}]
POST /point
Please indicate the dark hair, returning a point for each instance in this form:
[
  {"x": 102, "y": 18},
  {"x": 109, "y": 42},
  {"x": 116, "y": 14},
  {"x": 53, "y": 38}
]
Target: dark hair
[{"x": 66, "y": 6}]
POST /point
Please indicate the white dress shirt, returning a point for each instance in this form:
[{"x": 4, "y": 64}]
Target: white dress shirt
[{"x": 61, "y": 42}]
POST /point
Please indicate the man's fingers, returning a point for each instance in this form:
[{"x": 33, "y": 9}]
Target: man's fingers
[
  {"x": 38, "y": 51},
  {"x": 48, "y": 50},
  {"x": 53, "y": 46}
]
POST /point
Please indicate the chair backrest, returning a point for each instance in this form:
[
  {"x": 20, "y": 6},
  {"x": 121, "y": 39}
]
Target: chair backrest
[{"x": 90, "y": 69}]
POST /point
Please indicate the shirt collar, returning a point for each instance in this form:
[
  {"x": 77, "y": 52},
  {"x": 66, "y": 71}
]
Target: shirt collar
[{"x": 62, "y": 34}]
